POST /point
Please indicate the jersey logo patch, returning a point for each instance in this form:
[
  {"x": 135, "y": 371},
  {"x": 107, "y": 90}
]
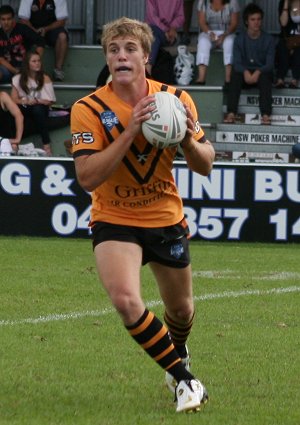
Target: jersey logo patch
[{"x": 109, "y": 119}]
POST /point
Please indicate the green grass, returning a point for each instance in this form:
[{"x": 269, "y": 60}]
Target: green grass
[{"x": 64, "y": 369}]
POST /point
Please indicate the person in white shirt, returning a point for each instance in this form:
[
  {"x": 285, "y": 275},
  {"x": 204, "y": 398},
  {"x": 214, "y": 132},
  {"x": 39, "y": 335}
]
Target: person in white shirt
[
  {"x": 33, "y": 91},
  {"x": 218, "y": 21}
]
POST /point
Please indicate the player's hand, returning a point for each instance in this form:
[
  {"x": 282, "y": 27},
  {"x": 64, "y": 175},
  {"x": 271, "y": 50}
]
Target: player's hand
[
  {"x": 190, "y": 127},
  {"x": 140, "y": 113},
  {"x": 190, "y": 119}
]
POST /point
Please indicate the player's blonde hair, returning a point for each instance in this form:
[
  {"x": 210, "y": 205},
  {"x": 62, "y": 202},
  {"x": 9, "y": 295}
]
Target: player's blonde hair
[{"x": 123, "y": 27}]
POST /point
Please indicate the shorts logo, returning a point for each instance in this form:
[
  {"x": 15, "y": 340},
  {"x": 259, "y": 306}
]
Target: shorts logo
[
  {"x": 109, "y": 119},
  {"x": 177, "y": 250}
]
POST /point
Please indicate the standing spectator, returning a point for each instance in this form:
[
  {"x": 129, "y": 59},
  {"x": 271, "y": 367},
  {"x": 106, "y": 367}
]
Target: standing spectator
[
  {"x": 15, "y": 40},
  {"x": 218, "y": 21},
  {"x": 288, "y": 58},
  {"x": 253, "y": 63},
  {"x": 48, "y": 18},
  {"x": 11, "y": 121},
  {"x": 33, "y": 90},
  {"x": 165, "y": 18},
  {"x": 188, "y": 6}
]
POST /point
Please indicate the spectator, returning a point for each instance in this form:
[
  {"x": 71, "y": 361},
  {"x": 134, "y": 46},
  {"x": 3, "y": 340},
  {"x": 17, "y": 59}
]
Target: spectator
[
  {"x": 15, "y": 40},
  {"x": 218, "y": 21},
  {"x": 188, "y": 6},
  {"x": 296, "y": 151},
  {"x": 33, "y": 91},
  {"x": 165, "y": 18},
  {"x": 288, "y": 58},
  {"x": 48, "y": 18},
  {"x": 253, "y": 63},
  {"x": 11, "y": 121}
]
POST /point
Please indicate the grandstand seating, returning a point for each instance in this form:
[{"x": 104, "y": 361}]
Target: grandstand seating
[{"x": 244, "y": 141}]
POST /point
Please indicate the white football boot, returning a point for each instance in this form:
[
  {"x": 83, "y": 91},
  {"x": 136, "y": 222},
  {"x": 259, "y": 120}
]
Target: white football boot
[
  {"x": 170, "y": 380},
  {"x": 190, "y": 396}
]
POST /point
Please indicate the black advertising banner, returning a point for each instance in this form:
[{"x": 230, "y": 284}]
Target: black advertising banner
[
  {"x": 237, "y": 202},
  {"x": 253, "y": 203},
  {"x": 41, "y": 197}
]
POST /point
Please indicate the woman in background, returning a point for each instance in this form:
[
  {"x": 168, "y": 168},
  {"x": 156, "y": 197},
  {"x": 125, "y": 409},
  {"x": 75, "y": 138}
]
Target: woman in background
[
  {"x": 33, "y": 91},
  {"x": 218, "y": 21}
]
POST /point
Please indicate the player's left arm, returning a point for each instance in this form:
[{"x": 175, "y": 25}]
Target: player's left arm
[{"x": 198, "y": 151}]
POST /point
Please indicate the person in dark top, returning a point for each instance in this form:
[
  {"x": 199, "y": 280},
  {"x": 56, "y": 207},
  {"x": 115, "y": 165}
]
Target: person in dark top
[
  {"x": 15, "y": 40},
  {"x": 253, "y": 64},
  {"x": 48, "y": 18},
  {"x": 288, "y": 58}
]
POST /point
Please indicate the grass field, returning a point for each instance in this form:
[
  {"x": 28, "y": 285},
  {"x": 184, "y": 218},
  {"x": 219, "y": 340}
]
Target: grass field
[{"x": 65, "y": 358}]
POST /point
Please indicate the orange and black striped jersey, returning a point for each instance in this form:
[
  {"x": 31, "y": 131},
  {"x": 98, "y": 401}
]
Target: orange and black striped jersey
[{"x": 142, "y": 191}]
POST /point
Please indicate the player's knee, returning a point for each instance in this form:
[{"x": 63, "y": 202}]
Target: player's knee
[
  {"x": 124, "y": 302},
  {"x": 183, "y": 313}
]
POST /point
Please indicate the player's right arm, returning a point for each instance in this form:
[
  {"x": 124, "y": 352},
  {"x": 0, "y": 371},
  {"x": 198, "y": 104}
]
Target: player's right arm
[
  {"x": 96, "y": 164},
  {"x": 94, "y": 169}
]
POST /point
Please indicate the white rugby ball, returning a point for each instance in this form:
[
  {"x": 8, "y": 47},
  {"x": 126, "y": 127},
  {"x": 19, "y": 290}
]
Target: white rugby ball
[{"x": 167, "y": 126}]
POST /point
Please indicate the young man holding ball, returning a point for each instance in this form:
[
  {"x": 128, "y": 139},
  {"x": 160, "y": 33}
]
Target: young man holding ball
[{"x": 137, "y": 215}]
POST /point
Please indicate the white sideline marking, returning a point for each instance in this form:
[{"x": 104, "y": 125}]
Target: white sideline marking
[
  {"x": 225, "y": 274},
  {"x": 105, "y": 311}
]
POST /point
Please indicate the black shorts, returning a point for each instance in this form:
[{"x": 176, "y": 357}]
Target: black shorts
[
  {"x": 165, "y": 245},
  {"x": 52, "y": 36}
]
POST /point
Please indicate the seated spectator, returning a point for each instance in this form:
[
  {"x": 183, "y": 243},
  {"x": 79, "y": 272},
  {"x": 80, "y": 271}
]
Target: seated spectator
[
  {"x": 48, "y": 18},
  {"x": 33, "y": 91},
  {"x": 288, "y": 58},
  {"x": 15, "y": 40},
  {"x": 218, "y": 21},
  {"x": 296, "y": 151},
  {"x": 11, "y": 121},
  {"x": 188, "y": 6},
  {"x": 165, "y": 18},
  {"x": 253, "y": 63}
]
